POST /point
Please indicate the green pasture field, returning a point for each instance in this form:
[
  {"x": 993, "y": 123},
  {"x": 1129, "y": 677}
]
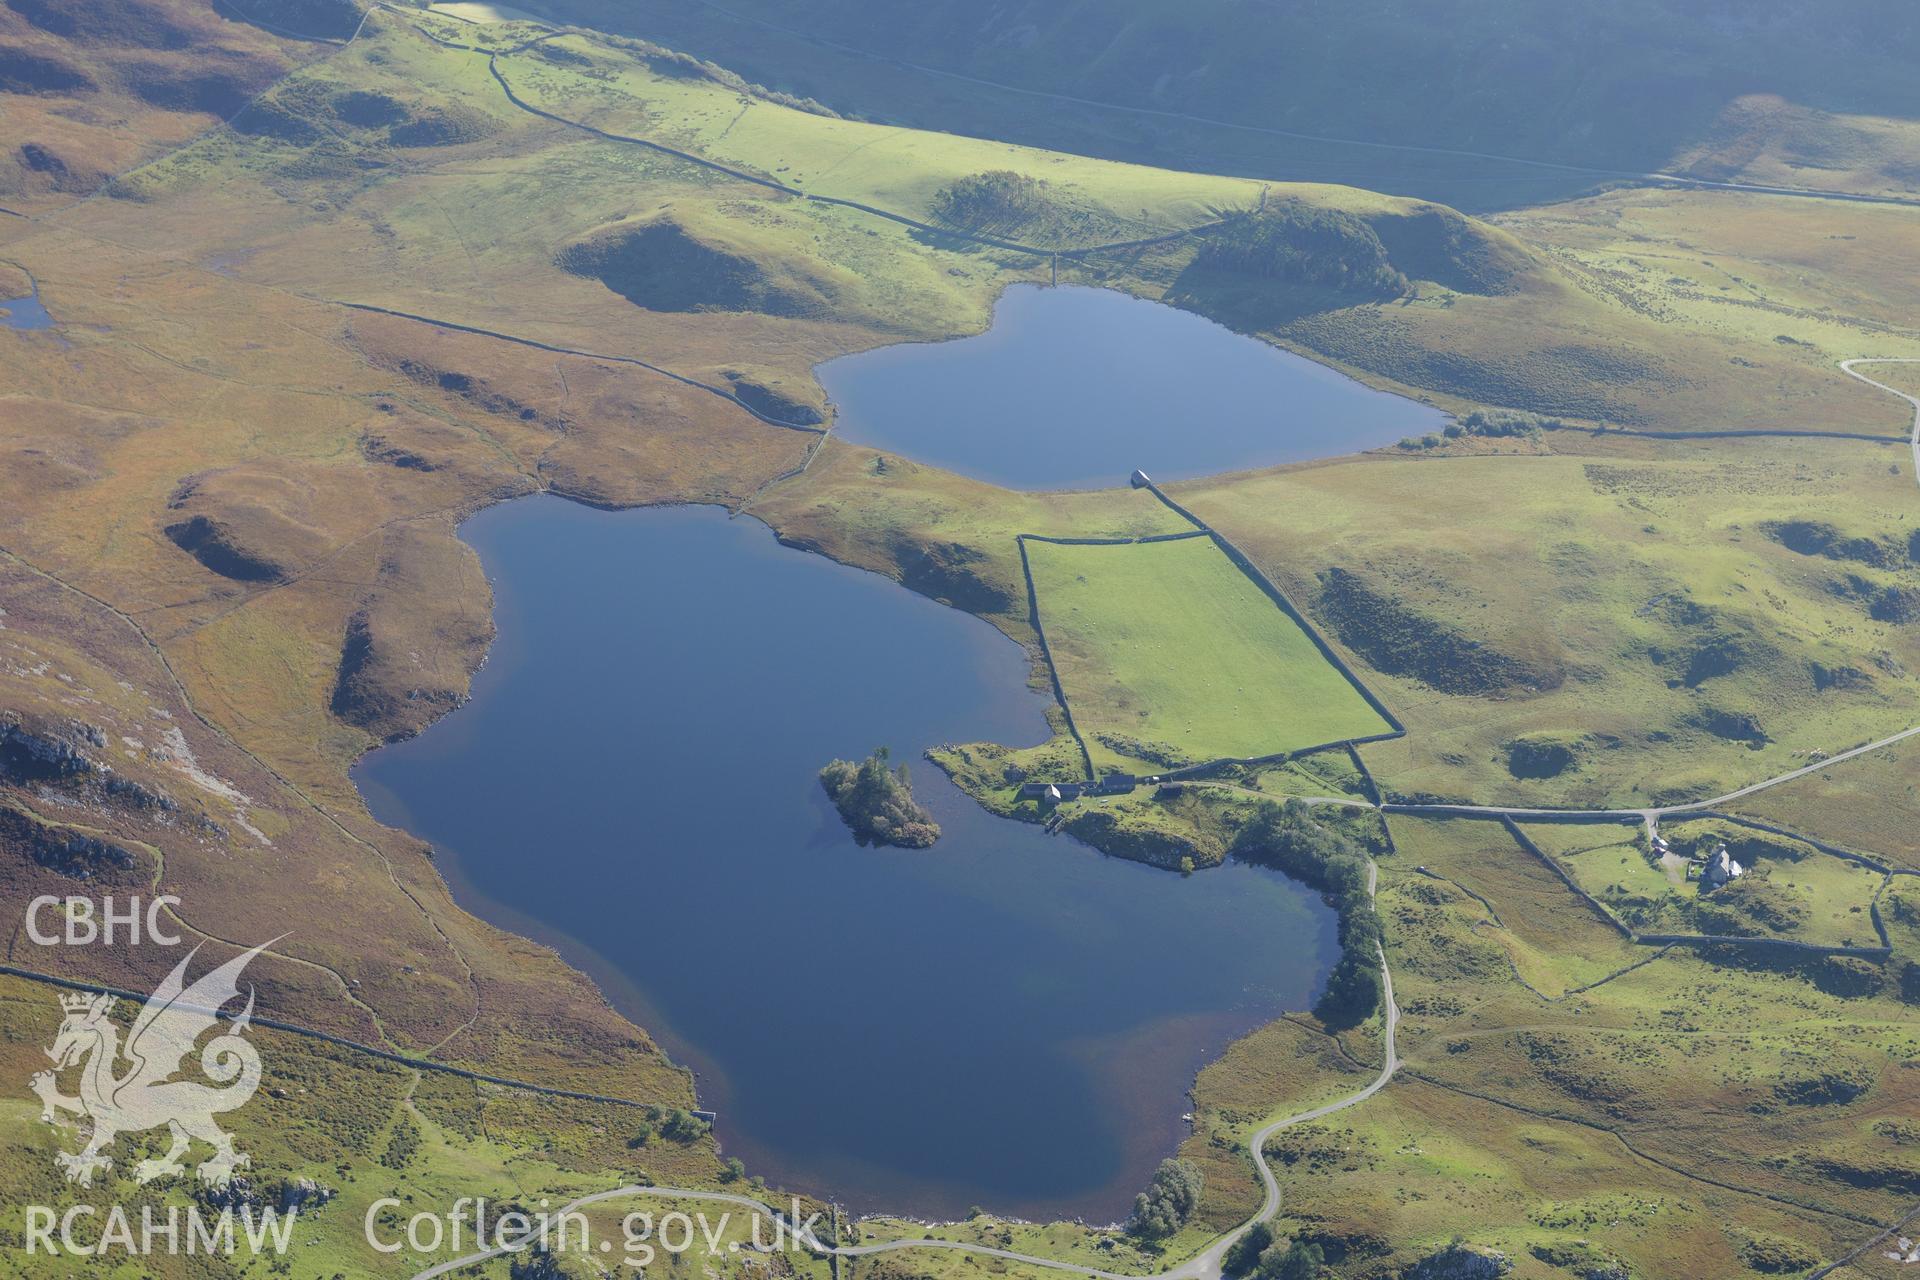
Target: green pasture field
[
  {"x": 1619, "y": 869},
  {"x": 1168, "y": 643}
]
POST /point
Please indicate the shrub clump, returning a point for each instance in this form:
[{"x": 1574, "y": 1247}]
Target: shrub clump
[
  {"x": 1486, "y": 426},
  {"x": 1259, "y": 1256},
  {"x": 876, "y": 801},
  {"x": 1303, "y": 244},
  {"x": 998, "y": 199},
  {"x": 1168, "y": 1202}
]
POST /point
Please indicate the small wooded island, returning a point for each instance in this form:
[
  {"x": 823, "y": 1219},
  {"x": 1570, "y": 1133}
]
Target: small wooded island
[{"x": 876, "y": 800}]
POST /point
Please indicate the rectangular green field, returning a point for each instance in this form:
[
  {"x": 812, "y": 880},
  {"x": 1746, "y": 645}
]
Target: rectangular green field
[{"x": 1169, "y": 653}]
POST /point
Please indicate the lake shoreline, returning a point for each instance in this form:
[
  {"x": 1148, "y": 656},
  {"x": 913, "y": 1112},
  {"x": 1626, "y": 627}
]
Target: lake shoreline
[
  {"x": 1074, "y": 387},
  {"x": 1150, "y": 1123}
]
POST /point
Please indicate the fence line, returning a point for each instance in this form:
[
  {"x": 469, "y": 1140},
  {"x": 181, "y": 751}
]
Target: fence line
[
  {"x": 1246, "y": 565},
  {"x": 1046, "y": 651},
  {"x": 1526, "y": 842}
]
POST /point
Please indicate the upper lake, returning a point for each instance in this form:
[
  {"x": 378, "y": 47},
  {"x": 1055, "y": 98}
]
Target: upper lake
[
  {"x": 1074, "y": 388},
  {"x": 1007, "y": 1019}
]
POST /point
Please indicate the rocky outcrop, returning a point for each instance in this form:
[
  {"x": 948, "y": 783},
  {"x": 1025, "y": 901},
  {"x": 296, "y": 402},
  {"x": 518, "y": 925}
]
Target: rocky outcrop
[
  {"x": 946, "y": 571},
  {"x": 1825, "y": 678},
  {"x": 1817, "y": 538},
  {"x": 1540, "y": 756},
  {"x": 50, "y": 166},
  {"x": 304, "y": 1195},
  {"x": 219, "y": 548},
  {"x": 1292, "y": 243},
  {"x": 764, "y": 396},
  {"x": 663, "y": 265},
  {"x": 1156, "y": 846},
  {"x": 409, "y": 650},
  {"x": 478, "y": 392},
  {"x": 1840, "y": 1084},
  {"x": 1733, "y": 726},
  {"x": 31, "y": 73},
  {"x": 288, "y": 1195},
  {"x": 1395, "y": 637},
  {"x": 1703, "y": 643},
  {"x": 218, "y": 91},
  {"x": 1460, "y": 1261},
  {"x": 1433, "y": 242},
  {"x": 541, "y": 1263},
  {"x": 72, "y": 854},
  {"x": 46, "y": 752},
  {"x": 56, "y": 754},
  {"x": 332, "y": 19},
  {"x": 381, "y": 689},
  {"x": 378, "y": 448},
  {"x": 1895, "y": 604}
]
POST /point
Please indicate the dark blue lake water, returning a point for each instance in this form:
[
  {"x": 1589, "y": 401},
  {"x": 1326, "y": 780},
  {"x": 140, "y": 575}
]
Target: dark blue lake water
[
  {"x": 1073, "y": 388},
  {"x": 1007, "y": 1019}
]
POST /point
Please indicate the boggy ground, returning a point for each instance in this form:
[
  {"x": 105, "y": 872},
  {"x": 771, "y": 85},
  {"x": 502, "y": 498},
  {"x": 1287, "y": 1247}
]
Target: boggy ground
[{"x": 229, "y": 503}]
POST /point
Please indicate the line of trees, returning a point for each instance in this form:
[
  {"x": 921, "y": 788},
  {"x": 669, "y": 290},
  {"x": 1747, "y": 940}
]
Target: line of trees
[{"x": 1288, "y": 838}]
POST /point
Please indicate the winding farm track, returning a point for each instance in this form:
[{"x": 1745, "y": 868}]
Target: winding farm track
[
  {"x": 1847, "y": 367},
  {"x": 858, "y": 206}
]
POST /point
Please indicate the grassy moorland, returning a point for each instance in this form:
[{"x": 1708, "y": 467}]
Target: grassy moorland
[
  {"x": 623, "y": 248},
  {"x": 1652, "y": 1069},
  {"x": 1868, "y": 804},
  {"x": 1628, "y": 624},
  {"x": 1080, "y": 201},
  {"x": 1763, "y": 138},
  {"x": 89, "y": 94},
  {"x": 1169, "y": 653}
]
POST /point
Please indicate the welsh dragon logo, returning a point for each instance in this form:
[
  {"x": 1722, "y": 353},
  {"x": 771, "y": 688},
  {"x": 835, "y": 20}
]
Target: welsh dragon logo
[{"x": 145, "y": 1096}]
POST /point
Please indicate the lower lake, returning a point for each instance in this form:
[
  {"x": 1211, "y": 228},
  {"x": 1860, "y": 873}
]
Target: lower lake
[
  {"x": 1074, "y": 388},
  {"x": 1007, "y": 1019}
]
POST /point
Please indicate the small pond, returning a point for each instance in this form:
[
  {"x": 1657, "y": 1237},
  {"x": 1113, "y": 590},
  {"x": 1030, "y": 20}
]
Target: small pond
[
  {"x": 1074, "y": 388},
  {"x": 1007, "y": 1019},
  {"x": 24, "y": 313}
]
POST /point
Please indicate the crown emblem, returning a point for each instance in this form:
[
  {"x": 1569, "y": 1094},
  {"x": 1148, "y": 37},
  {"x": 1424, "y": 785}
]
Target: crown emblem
[{"x": 78, "y": 1002}]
